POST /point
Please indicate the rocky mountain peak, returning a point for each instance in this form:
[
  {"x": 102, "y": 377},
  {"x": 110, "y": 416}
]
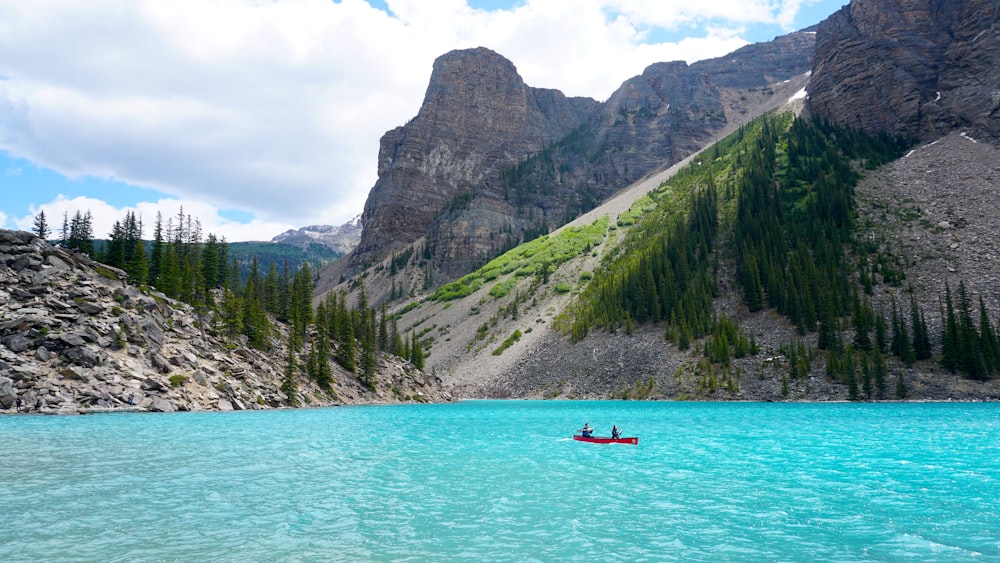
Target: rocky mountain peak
[
  {"x": 918, "y": 68},
  {"x": 342, "y": 239},
  {"x": 478, "y": 116}
]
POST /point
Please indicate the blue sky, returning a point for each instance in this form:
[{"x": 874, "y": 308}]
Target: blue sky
[{"x": 260, "y": 117}]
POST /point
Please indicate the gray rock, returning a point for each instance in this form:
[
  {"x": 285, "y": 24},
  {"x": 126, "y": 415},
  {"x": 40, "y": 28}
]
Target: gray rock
[
  {"x": 83, "y": 356},
  {"x": 90, "y": 307},
  {"x": 225, "y": 405},
  {"x": 42, "y": 354},
  {"x": 56, "y": 262},
  {"x": 56, "y": 304},
  {"x": 160, "y": 404},
  {"x": 76, "y": 373},
  {"x": 153, "y": 384},
  {"x": 8, "y": 397},
  {"x": 152, "y": 330},
  {"x": 160, "y": 363},
  {"x": 72, "y": 339},
  {"x": 17, "y": 343},
  {"x": 25, "y": 262}
]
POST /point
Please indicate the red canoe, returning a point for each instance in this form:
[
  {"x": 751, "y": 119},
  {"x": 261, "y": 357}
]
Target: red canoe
[{"x": 606, "y": 440}]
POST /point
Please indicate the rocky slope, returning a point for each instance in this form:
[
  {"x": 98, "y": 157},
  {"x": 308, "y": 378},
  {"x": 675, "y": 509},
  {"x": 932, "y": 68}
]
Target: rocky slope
[
  {"x": 74, "y": 339},
  {"x": 918, "y": 68}
]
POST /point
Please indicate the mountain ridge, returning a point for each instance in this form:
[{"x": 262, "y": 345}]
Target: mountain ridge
[{"x": 466, "y": 198}]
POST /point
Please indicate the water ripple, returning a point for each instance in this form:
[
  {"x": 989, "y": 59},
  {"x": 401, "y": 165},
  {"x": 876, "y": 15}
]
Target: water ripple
[{"x": 708, "y": 482}]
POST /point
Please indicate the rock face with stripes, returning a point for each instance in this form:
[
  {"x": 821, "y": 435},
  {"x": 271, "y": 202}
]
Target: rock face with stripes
[{"x": 919, "y": 68}]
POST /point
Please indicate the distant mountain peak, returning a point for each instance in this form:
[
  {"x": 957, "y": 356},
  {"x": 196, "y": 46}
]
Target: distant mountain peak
[{"x": 342, "y": 239}]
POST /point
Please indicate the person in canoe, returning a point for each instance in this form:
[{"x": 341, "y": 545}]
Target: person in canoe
[
  {"x": 586, "y": 431},
  {"x": 616, "y": 432}
]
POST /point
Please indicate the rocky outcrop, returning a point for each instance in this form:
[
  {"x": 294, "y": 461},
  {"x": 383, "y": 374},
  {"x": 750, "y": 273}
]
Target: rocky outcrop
[
  {"x": 918, "y": 68},
  {"x": 75, "y": 337},
  {"x": 477, "y": 118}
]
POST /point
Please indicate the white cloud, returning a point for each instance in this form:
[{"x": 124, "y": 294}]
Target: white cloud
[{"x": 277, "y": 107}]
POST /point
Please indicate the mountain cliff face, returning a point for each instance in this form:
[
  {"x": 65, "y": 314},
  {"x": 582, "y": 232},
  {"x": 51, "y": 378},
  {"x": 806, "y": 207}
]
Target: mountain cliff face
[
  {"x": 478, "y": 117},
  {"x": 919, "y": 68},
  {"x": 653, "y": 120},
  {"x": 489, "y": 161}
]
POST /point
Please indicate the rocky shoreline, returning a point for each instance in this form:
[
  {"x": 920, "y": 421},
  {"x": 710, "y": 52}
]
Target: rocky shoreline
[{"x": 76, "y": 338}]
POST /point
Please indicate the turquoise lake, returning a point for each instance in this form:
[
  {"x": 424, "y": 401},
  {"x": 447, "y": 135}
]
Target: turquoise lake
[{"x": 503, "y": 481}]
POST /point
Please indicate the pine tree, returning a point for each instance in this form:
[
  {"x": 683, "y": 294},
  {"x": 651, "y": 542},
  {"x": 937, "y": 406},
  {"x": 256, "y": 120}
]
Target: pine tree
[
  {"x": 41, "y": 226},
  {"x": 921, "y": 338},
  {"x": 232, "y": 315},
  {"x": 988, "y": 341},
  {"x": 879, "y": 371},
  {"x": 289, "y": 385},
  {"x": 369, "y": 357},
  {"x": 347, "y": 349},
  {"x": 950, "y": 336},
  {"x": 970, "y": 355},
  {"x": 861, "y": 319},
  {"x": 417, "y": 353},
  {"x": 156, "y": 251}
]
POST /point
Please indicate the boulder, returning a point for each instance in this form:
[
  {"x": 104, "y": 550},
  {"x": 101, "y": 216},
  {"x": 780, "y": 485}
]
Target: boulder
[
  {"x": 72, "y": 339},
  {"x": 17, "y": 343},
  {"x": 8, "y": 397},
  {"x": 90, "y": 307},
  {"x": 83, "y": 356},
  {"x": 160, "y": 363},
  {"x": 152, "y": 330},
  {"x": 42, "y": 354},
  {"x": 159, "y": 404}
]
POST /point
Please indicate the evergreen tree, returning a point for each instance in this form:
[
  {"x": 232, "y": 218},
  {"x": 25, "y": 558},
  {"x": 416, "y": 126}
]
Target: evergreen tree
[
  {"x": 347, "y": 349},
  {"x": 383, "y": 329},
  {"x": 232, "y": 315},
  {"x": 970, "y": 354},
  {"x": 256, "y": 325},
  {"x": 369, "y": 355},
  {"x": 324, "y": 375},
  {"x": 64, "y": 232},
  {"x": 988, "y": 341},
  {"x": 900, "y": 386},
  {"x": 950, "y": 336},
  {"x": 921, "y": 338},
  {"x": 861, "y": 318},
  {"x": 879, "y": 372},
  {"x": 156, "y": 251},
  {"x": 416, "y": 353},
  {"x": 41, "y": 226},
  {"x": 81, "y": 233},
  {"x": 289, "y": 385},
  {"x": 901, "y": 345}
]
